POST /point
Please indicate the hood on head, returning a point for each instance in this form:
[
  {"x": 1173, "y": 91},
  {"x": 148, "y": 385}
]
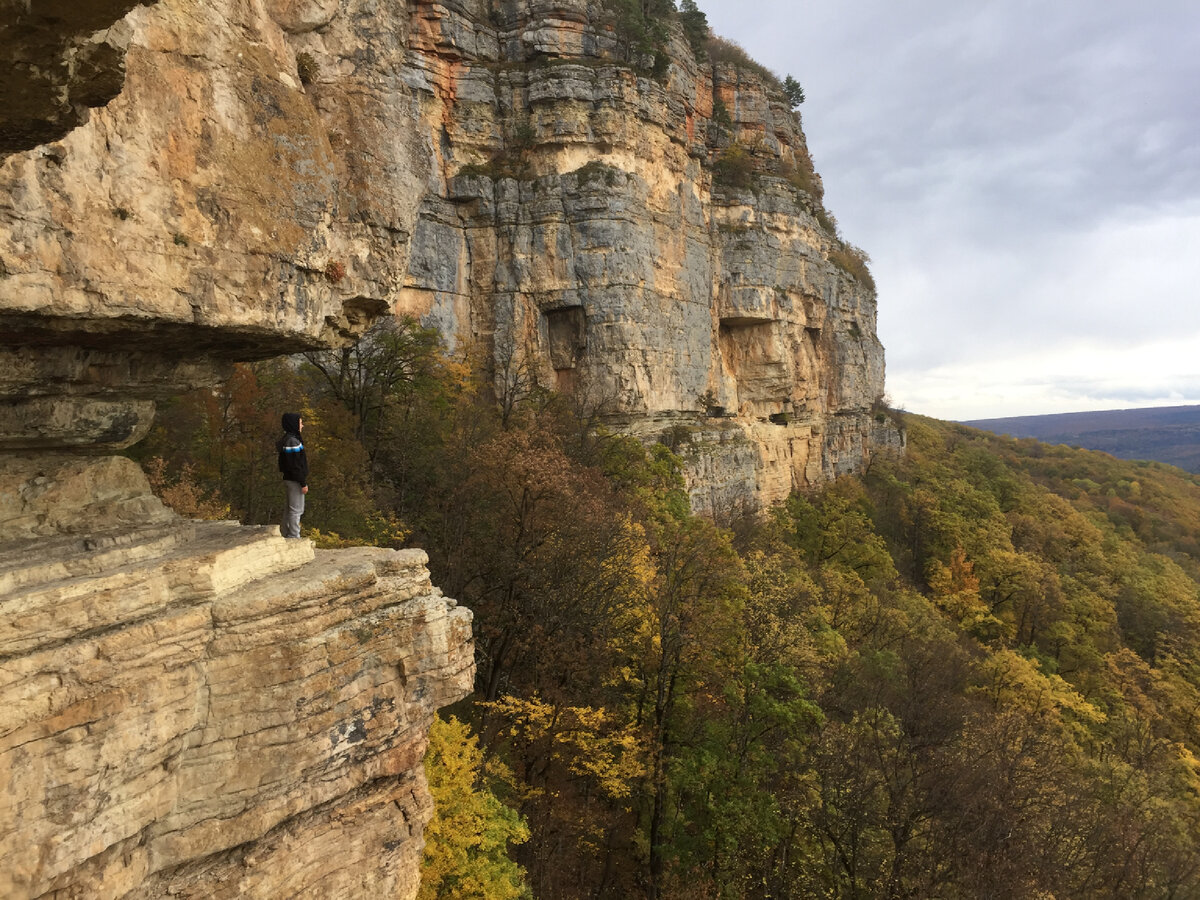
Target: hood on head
[{"x": 291, "y": 423}]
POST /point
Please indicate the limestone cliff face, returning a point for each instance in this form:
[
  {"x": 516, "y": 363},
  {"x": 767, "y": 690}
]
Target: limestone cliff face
[
  {"x": 204, "y": 709},
  {"x": 199, "y": 709},
  {"x": 656, "y": 245},
  {"x": 215, "y": 209},
  {"x": 258, "y": 182}
]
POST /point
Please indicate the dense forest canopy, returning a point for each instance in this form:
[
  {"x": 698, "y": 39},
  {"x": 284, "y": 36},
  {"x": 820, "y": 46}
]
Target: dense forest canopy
[{"x": 973, "y": 671}]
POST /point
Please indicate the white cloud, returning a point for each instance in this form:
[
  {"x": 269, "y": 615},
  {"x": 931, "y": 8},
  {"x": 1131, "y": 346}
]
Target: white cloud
[
  {"x": 956, "y": 299},
  {"x": 1082, "y": 375}
]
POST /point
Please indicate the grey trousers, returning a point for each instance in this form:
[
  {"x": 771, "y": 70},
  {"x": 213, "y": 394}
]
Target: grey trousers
[{"x": 294, "y": 510}]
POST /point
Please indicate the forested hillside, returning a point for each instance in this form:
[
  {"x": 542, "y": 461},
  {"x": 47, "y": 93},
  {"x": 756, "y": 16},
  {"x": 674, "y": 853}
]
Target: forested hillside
[{"x": 974, "y": 671}]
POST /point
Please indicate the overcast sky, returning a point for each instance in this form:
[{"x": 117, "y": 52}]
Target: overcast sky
[{"x": 1026, "y": 178}]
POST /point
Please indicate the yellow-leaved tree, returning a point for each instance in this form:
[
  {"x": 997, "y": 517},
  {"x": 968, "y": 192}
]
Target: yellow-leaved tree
[{"x": 466, "y": 843}]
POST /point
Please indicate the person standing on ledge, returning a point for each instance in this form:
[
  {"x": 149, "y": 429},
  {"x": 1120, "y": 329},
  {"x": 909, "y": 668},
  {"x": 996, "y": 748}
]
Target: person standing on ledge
[{"x": 293, "y": 463}]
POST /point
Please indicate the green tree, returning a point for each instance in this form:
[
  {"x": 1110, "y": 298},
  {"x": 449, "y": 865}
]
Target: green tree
[
  {"x": 694, "y": 602},
  {"x": 793, "y": 91},
  {"x": 695, "y": 27},
  {"x": 376, "y": 377},
  {"x": 640, "y": 25}
]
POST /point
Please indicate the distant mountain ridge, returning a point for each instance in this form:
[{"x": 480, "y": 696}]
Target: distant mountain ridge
[{"x": 1169, "y": 434}]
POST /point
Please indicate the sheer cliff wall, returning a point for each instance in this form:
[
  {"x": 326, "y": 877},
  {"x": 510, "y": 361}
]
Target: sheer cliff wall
[
  {"x": 272, "y": 176},
  {"x": 655, "y": 243}
]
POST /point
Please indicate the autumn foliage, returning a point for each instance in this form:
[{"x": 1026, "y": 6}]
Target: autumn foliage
[{"x": 971, "y": 672}]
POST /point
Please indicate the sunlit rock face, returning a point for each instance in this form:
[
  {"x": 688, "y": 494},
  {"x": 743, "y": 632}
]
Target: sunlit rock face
[
  {"x": 216, "y": 208},
  {"x": 199, "y": 709},
  {"x": 228, "y": 181},
  {"x": 589, "y": 224},
  {"x": 202, "y": 709}
]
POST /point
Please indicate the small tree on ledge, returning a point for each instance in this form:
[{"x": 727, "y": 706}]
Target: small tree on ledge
[{"x": 793, "y": 91}]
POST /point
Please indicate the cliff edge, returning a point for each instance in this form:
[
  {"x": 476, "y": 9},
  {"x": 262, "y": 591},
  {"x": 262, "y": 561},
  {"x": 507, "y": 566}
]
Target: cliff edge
[
  {"x": 202, "y": 709},
  {"x": 198, "y": 709}
]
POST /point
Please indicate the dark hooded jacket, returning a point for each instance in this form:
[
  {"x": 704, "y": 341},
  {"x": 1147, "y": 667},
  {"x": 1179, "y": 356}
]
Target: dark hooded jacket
[{"x": 293, "y": 461}]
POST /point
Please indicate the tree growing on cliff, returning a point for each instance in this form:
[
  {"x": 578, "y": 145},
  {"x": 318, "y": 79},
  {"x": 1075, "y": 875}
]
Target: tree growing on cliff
[
  {"x": 793, "y": 91},
  {"x": 640, "y": 26},
  {"x": 695, "y": 27}
]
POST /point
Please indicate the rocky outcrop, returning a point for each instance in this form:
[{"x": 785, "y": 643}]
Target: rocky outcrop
[
  {"x": 204, "y": 709},
  {"x": 199, "y": 709},
  {"x": 60, "y": 60},
  {"x": 653, "y": 241}
]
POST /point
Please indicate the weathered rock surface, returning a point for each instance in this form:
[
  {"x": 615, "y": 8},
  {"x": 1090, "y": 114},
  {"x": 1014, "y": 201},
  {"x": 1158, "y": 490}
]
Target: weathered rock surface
[
  {"x": 272, "y": 176},
  {"x": 208, "y": 710},
  {"x": 656, "y": 243},
  {"x": 62, "y": 57},
  {"x": 215, "y": 209}
]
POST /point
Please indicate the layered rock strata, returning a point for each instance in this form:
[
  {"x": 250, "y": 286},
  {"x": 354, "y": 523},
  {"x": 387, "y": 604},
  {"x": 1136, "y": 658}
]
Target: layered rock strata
[
  {"x": 199, "y": 709},
  {"x": 217, "y": 208},
  {"x": 208, "y": 710},
  {"x": 654, "y": 242}
]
